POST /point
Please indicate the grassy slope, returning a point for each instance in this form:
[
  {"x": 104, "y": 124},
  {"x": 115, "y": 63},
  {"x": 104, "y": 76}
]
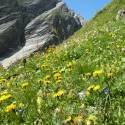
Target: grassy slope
[{"x": 95, "y": 47}]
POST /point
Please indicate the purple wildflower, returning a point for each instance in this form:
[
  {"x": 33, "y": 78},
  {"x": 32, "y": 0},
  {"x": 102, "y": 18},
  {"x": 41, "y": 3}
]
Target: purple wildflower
[{"x": 106, "y": 91}]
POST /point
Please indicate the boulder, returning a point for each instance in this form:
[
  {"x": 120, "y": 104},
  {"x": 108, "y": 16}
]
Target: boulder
[{"x": 121, "y": 15}]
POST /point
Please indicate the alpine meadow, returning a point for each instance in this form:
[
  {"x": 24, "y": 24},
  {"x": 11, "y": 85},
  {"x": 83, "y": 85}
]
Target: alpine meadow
[{"x": 80, "y": 81}]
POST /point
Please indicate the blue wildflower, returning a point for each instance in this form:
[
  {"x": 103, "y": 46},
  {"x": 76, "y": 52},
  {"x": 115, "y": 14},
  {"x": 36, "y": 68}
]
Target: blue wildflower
[
  {"x": 106, "y": 91},
  {"x": 20, "y": 110}
]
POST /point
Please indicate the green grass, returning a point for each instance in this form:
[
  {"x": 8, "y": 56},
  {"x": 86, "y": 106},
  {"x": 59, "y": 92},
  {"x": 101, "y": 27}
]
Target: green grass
[{"x": 78, "y": 98}]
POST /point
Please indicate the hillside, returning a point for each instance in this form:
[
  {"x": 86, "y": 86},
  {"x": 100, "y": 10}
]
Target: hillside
[{"x": 79, "y": 82}]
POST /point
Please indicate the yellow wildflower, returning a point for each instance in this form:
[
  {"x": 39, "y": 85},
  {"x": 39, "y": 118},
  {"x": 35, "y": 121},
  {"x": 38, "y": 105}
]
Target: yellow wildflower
[
  {"x": 91, "y": 120},
  {"x": 5, "y": 97},
  {"x": 97, "y": 73},
  {"x": 96, "y": 87},
  {"x": 59, "y": 93},
  {"x": 110, "y": 75},
  {"x": 46, "y": 82},
  {"x": 69, "y": 65},
  {"x": 62, "y": 70},
  {"x": 24, "y": 85},
  {"x": 57, "y": 76},
  {"x": 47, "y": 77},
  {"x": 90, "y": 88},
  {"x": 68, "y": 119},
  {"x": 40, "y": 81},
  {"x": 50, "y": 50},
  {"x": 10, "y": 107},
  {"x": 78, "y": 119},
  {"x": 44, "y": 66}
]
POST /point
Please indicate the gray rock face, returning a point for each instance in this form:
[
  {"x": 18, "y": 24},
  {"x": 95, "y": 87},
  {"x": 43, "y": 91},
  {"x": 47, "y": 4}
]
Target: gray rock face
[
  {"x": 33, "y": 8},
  {"x": 11, "y": 26},
  {"x": 46, "y": 22}
]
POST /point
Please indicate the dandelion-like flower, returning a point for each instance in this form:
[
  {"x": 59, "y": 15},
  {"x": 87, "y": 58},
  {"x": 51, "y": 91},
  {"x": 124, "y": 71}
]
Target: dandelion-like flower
[
  {"x": 44, "y": 66},
  {"x": 24, "y": 85},
  {"x": 62, "y": 70},
  {"x": 47, "y": 77},
  {"x": 59, "y": 93},
  {"x": 58, "y": 77},
  {"x": 96, "y": 87},
  {"x": 70, "y": 66},
  {"x": 5, "y": 97},
  {"x": 10, "y": 107},
  {"x": 110, "y": 75},
  {"x": 97, "y": 73},
  {"x": 40, "y": 81},
  {"x": 46, "y": 81},
  {"x": 90, "y": 88}
]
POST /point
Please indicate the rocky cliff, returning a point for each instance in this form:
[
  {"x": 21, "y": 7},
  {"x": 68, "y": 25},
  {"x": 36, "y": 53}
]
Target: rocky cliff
[
  {"x": 44, "y": 22},
  {"x": 11, "y": 26}
]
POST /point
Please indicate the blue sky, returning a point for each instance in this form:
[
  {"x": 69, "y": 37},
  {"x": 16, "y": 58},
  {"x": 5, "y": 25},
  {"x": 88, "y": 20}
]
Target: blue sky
[{"x": 87, "y": 8}]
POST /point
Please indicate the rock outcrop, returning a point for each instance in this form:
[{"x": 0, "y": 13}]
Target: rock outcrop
[
  {"x": 11, "y": 26},
  {"x": 46, "y": 22},
  {"x": 121, "y": 15}
]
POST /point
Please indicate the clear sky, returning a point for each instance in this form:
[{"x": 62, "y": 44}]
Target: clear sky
[{"x": 87, "y": 8}]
